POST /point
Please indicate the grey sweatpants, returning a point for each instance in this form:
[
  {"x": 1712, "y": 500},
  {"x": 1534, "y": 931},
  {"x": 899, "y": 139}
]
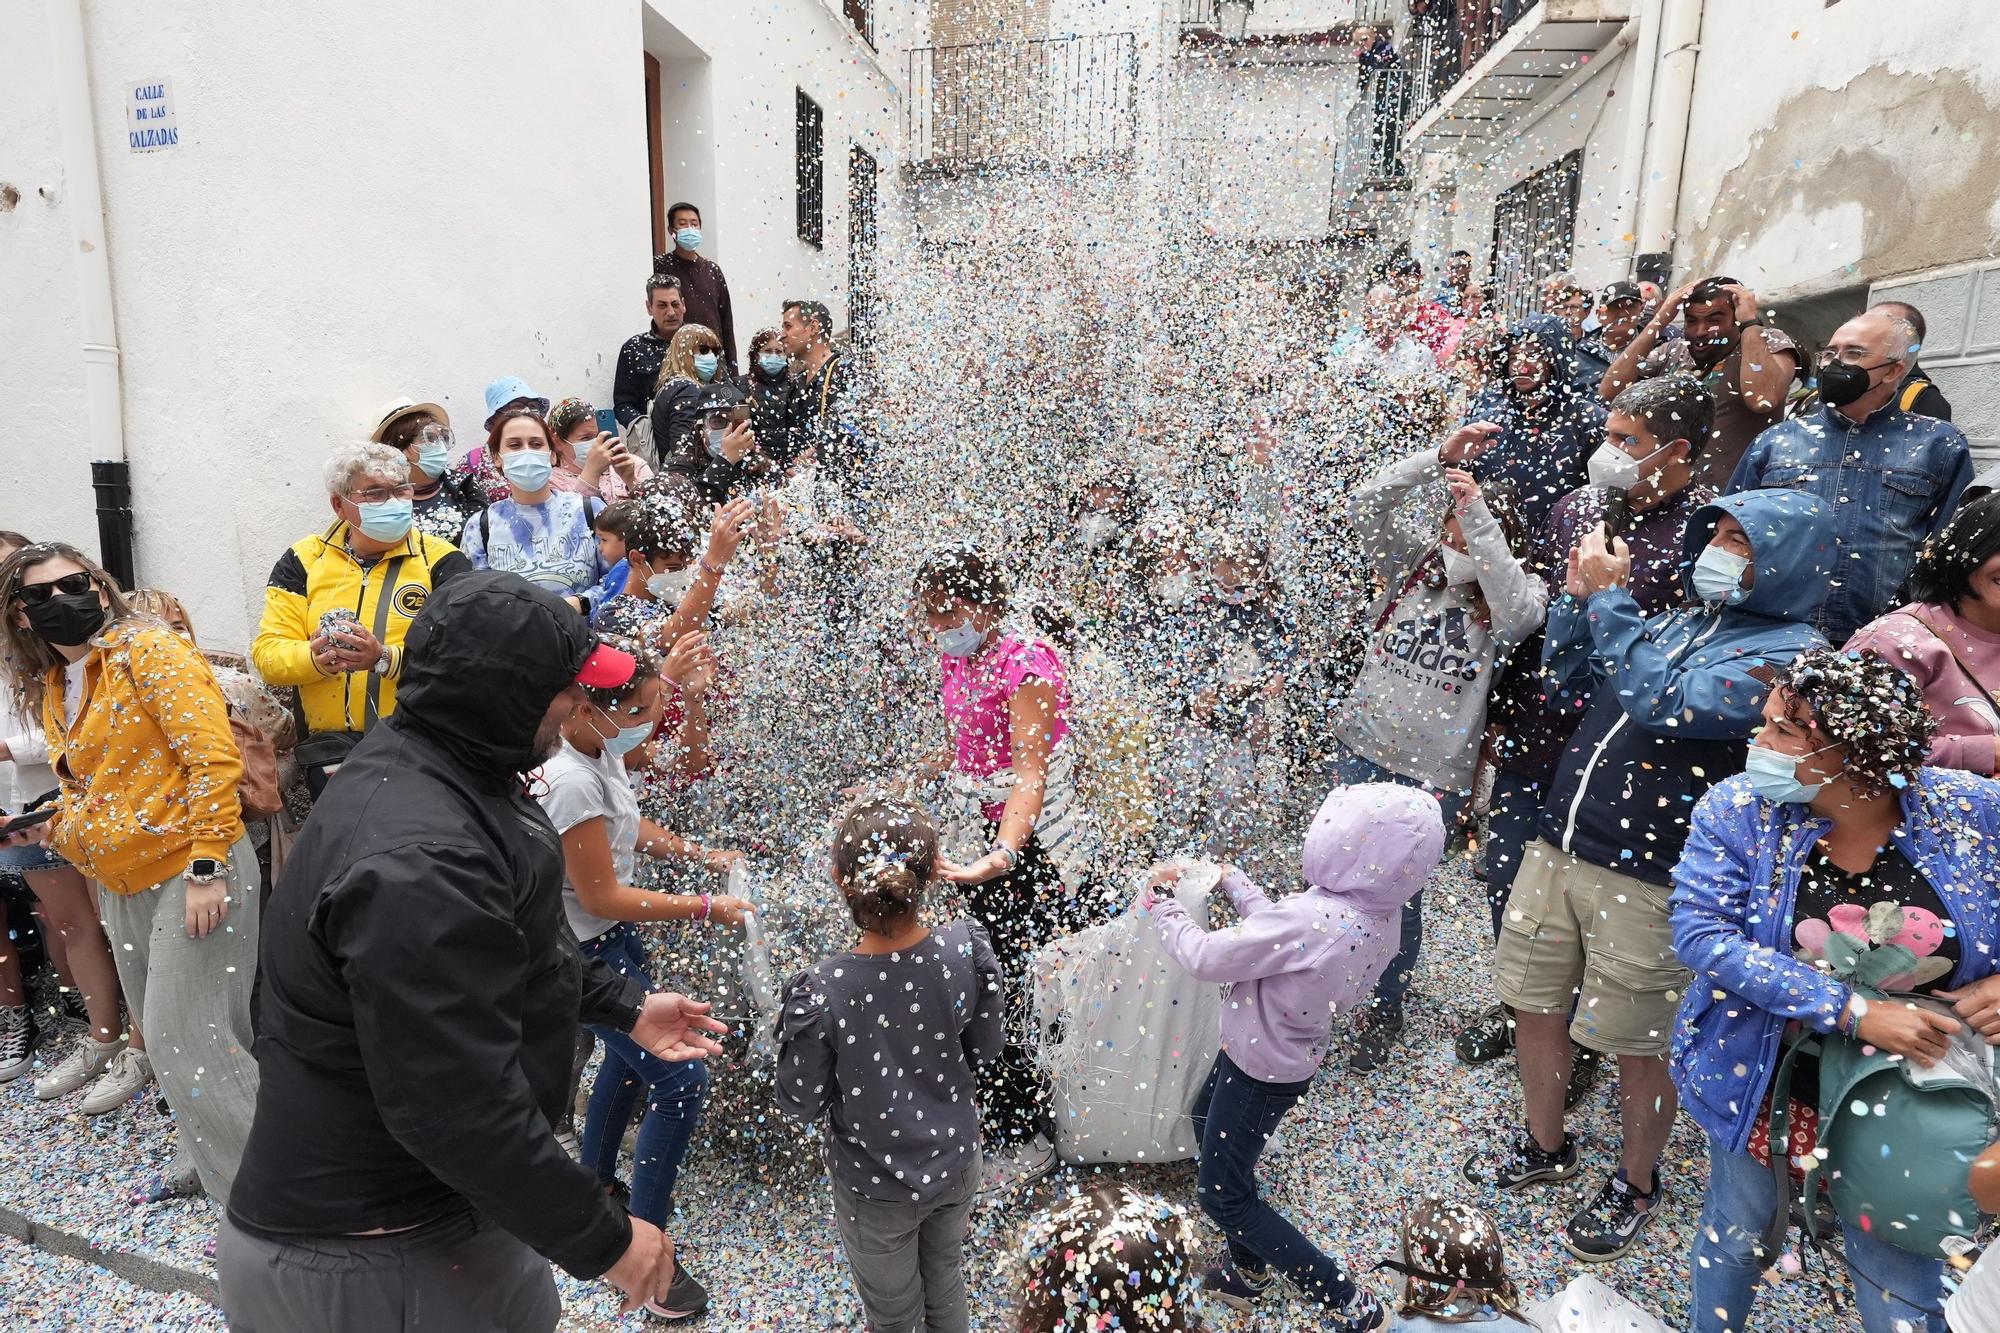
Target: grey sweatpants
[
  {"x": 462, "y": 1274},
  {"x": 908, "y": 1259},
  {"x": 192, "y": 998}
]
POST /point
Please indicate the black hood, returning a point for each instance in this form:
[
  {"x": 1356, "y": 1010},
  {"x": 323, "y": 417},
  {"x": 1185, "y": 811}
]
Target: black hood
[{"x": 481, "y": 665}]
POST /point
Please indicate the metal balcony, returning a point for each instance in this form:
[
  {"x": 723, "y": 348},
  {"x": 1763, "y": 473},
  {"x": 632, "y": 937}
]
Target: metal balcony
[{"x": 1062, "y": 101}]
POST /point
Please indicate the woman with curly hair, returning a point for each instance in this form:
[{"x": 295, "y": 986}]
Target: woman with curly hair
[{"x": 1835, "y": 822}]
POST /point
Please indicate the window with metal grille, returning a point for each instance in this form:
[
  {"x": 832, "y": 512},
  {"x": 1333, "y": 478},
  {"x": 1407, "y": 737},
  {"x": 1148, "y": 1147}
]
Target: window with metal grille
[
  {"x": 860, "y": 240},
  {"x": 1534, "y": 231},
  {"x": 811, "y": 160},
  {"x": 861, "y": 13}
]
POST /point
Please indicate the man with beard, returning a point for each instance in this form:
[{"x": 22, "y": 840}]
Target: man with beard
[
  {"x": 1746, "y": 365},
  {"x": 419, "y": 995}
]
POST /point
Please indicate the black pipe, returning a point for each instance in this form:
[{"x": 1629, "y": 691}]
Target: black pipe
[{"x": 113, "y": 483}]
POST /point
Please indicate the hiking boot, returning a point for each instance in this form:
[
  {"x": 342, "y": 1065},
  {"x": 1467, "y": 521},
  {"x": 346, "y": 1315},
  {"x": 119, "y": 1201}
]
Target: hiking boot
[
  {"x": 86, "y": 1061},
  {"x": 1611, "y": 1223},
  {"x": 1487, "y": 1037},
  {"x": 1522, "y": 1162},
  {"x": 17, "y": 1042},
  {"x": 1583, "y": 1066},
  {"x": 128, "y": 1072},
  {"x": 1235, "y": 1288},
  {"x": 1376, "y": 1031},
  {"x": 1363, "y": 1314},
  {"x": 686, "y": 1299}
]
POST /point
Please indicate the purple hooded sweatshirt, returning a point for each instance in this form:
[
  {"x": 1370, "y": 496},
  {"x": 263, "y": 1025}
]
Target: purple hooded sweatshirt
[{"x": 1293, "y": 964}]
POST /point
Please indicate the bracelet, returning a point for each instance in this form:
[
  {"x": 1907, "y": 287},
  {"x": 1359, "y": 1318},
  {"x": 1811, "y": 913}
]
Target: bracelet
[
  {"x": 707, "y": 904},
  {"x": 1851, "y": 1022},
  {"x": 710, "y": 569},
  {"x": 1758, "y": 322},
  {"x": 1007, "y": 854}
]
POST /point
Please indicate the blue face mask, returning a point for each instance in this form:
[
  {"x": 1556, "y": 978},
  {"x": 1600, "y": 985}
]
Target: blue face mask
[
  {"x": 386, "y": 520},
  {"x": 688, "y": 238},
  {"x": 705, "y": 364},
  {"x": 628, "y": 739},
  {"x": 772, "y": 363},
  {"x": 1775, "y": 777},
  {"x": 433, "y": 459},
  {"x": 961, "y": 640},
  {"x": 1718, "y": 576},
  {"x": 715, "y": 434},
  {"x": 529, "y": 469}
]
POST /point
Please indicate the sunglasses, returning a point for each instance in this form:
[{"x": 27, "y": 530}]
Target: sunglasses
[{"x": 70, "y": 585}]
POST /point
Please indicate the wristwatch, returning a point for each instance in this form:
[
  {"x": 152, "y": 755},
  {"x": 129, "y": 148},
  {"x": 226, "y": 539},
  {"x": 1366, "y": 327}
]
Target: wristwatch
[
  {"x": 381, "y": 667},
  {"x": 206, "y": 870}
]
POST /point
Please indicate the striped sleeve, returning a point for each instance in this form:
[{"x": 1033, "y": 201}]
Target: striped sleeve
[{"x": 280, "y": 650}]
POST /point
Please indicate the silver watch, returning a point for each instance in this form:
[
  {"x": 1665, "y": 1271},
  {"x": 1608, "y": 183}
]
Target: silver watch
[
  {"x": 381, "y": 667},
  {"x": 1007, "y": 854}
]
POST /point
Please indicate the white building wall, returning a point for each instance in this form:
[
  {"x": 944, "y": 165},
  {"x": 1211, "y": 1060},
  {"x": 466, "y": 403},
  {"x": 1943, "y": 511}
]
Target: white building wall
[{"x": 368, "y": 200}]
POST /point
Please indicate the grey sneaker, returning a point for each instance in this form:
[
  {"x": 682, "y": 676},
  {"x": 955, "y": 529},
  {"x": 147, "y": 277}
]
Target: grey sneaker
[
  {"x": 1016, "y": 1167},
  {"x": 121, "y": 1080},
  {"x": 17, "y": 1042},
  {"x": 85, "y": 1062},
  {"x": 686, "y": 1299},
  {"x": 1522, "y": 1162}
]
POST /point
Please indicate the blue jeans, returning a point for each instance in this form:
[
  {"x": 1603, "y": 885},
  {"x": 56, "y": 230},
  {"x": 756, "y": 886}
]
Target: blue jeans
[
  {"x": 1233, "y": 1119},
  {"x": 1741, "y": 1198},
  {"x": 1511, "y": 821},
  {"x": 1349, "y": 769},
  {"x": 674, "y": 1093}
]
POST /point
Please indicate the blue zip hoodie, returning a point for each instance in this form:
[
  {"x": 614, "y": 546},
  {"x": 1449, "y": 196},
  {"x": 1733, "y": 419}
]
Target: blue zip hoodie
[
  {"x": 1673, "y": 698},
  {"x": 1734, "y": 891}
]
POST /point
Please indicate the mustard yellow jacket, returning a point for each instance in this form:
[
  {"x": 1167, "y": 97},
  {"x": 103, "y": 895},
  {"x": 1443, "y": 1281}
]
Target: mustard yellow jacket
[
  {"x": 318, "y": 575},
  {"x": 149, "y": 768}
]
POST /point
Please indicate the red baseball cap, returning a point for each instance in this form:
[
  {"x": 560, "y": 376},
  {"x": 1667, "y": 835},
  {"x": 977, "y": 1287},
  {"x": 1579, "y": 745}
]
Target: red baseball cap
[{"x": 606, "y": 668}]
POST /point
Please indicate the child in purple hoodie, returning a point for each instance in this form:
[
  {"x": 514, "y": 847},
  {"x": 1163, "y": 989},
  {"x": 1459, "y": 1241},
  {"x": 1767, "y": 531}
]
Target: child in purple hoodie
[{"x": 1291, "y": 965}]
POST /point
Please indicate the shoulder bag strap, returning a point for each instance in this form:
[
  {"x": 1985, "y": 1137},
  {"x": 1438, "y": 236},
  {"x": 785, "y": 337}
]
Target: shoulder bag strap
[{"x": 1963, "y": 669}]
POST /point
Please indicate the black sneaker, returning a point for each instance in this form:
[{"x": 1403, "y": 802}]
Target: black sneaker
[
  {"x": 1489, "y": 1037},
  {"x": 1363, "y": 1314},
  {"x": 1583, "y": 1066},
  {"x": 1235, "y": 1288},
  {"x": 1376, "y": 1033},
  {"x": 1522, "y": 1162},
  {"x": 686, "y": 1299},
  {"x": 1611, "y": 1223}
]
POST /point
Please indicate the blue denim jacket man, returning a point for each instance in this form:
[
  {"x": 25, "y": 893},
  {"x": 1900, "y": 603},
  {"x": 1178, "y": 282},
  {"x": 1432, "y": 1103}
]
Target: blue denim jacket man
[{"x": 1891, "y": 477}]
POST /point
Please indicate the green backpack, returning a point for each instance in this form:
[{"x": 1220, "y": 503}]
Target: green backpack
[{"x": 1895, "y": 1141}]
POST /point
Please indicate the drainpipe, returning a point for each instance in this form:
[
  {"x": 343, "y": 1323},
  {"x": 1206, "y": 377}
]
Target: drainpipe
[
  {"x": 1666, "y": 137},
  {"x": 1632, "y": 162},
  {"x": 104, "y": 400}
]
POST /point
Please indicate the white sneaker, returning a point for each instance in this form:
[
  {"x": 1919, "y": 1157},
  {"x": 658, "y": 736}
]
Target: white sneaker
[
  {"x": 85, "y": 1061},
  {"x": 17, "y": 1042},
  {"x": 1018, "y": 1167},
  {"x": 128, "y": 1072}
]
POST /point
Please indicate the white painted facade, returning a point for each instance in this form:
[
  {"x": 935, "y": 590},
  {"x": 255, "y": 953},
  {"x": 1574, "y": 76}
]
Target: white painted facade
[{"x": 373, "y": 199}]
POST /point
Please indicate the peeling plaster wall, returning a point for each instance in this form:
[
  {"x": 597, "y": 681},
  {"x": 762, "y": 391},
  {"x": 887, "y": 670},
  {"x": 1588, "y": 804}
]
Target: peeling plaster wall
[{"x": 1832, "y": 146}]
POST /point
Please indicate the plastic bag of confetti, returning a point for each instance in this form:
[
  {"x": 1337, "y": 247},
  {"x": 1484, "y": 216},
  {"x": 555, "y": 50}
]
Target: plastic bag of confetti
[
  {"x": 1128, "y": 1037},
  {"x": 1588, "y": 1306}
]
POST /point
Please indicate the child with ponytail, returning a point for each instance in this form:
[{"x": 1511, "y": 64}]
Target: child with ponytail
[{"x": 894, "y": 1080}]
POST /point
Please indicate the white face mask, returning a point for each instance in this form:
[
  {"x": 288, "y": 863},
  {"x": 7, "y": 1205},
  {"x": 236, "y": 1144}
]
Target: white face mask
[
  {"x": 1097, "y": 530},
  {"x": 1459, "y": 568},
  {"x": 1174, "y": 589},
  {"x": 1615, "y": 470},
  {"x": 670, "y": 584},
  {"x": 1718, "y": 576}
]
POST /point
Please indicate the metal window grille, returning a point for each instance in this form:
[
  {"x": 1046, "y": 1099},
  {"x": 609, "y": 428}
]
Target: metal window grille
[
  {"x": 861, "y": 230},
  {"x": 811, "y": 163},
  {"x": 1534, "y": 232},
  {"x": 1051, "y": 100}
]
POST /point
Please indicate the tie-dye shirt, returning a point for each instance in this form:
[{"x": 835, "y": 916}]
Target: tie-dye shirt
[{"x": 549, "y": 544}]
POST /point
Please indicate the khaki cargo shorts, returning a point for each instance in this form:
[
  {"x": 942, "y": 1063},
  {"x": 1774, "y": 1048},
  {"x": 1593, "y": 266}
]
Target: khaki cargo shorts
[{"x": 1577, "y": 932}]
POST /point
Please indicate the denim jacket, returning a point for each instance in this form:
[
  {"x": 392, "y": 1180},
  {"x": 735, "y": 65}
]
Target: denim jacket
[
  {"x": 1892, "y": 481},
  {"x": 1732, "y": 919}
]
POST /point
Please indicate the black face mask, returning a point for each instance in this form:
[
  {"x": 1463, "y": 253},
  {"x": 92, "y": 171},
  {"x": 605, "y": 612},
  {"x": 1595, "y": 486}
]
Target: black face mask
[
  {"x": 68, "y": 619},
  {"x": 1840, "y": 383}
]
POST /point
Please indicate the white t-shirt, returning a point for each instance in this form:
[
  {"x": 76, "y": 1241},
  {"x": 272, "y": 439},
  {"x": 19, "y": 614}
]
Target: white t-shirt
[
  {"x": 581, "y": 788},
  {"x": 1975, "y": 1306}
]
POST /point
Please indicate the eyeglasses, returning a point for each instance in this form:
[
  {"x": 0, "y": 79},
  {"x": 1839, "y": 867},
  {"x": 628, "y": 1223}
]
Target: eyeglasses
[
  {"x": 375, "y": 495},
  {"x": 432, "y": 435},
  {"x": 69, "y": 585}
]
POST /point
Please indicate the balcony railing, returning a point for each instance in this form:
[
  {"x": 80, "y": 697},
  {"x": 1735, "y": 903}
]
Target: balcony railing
[
  {"x": 1046, "y": 102},
  {"x": 1447, "y": 38}
]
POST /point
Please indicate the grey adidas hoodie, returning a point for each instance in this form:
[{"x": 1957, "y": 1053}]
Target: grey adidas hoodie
[{"x": 1418, "y": 708}]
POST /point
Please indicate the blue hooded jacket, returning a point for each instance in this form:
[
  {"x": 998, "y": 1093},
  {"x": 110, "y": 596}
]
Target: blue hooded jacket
[
  {"x": 1674, "y": 698},
  {"x": 1734, "y": 891},
  {"x": 1542, "y": 455}
]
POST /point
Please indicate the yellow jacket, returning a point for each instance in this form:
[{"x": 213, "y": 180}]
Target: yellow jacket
[
  {"x": 149, "y": 768},
  {"x": 318, "y": 575}
]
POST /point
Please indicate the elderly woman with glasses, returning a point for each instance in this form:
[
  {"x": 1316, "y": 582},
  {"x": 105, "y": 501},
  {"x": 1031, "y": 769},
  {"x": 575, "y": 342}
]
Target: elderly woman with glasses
[
  {"x": 138, "y": 736},
  {"x": 339, "y": 601}
]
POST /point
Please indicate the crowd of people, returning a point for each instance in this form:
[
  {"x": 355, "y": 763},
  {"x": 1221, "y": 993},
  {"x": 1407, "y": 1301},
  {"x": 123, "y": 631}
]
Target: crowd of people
[{"x": 1684, "y": 639}]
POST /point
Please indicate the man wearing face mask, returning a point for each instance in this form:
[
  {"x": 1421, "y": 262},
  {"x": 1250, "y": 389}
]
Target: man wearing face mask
[
  {"x": 1746, "y": 364},
  {"x": 1892, "y": 478},
  {"x": 1671, "y": 701},
  {"x": 339, "y": 602},
  {"x": 721, "y": 455},
  {"x": 703, "y": 287},
  {"x": 1642, "y": 477}
]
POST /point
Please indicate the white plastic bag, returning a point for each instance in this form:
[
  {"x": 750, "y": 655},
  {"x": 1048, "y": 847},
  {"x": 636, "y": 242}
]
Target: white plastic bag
[
  {"x": 1588, "y": 1306},
  {"x": 1133, "y": 1036}
]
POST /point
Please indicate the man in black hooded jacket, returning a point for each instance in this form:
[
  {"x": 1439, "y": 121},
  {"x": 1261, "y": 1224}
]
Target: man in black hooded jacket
[{"x": 418, "y": 1005}]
